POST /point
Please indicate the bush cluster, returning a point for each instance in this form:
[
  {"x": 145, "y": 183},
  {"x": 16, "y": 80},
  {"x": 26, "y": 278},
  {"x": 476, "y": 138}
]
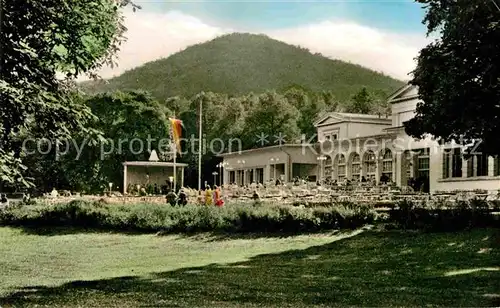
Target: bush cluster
[
  {"x": 475, "y": 213},
  {"x": 190, "y": 218}
]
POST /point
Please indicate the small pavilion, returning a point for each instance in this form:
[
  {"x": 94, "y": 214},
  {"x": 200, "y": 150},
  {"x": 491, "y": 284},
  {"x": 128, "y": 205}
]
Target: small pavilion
[{"x": 151, "y": 172}]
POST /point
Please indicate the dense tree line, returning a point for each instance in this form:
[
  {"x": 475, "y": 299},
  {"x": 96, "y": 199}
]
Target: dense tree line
[{"x": 89, "y": 163}]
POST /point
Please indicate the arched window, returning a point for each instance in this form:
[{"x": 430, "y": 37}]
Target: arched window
[
  {"x": 387, "y": 164},
  {"x": 355, "y": 166},
  {"x": 369, "y": 164},
  {"x": 340, "y": 166},
  {"x": 328, "y": 167},
  {"x": 328, "y": 161}
]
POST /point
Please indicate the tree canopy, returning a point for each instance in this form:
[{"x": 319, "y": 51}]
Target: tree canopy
[
  {"x": 361, "y": 102},
  {"x": 46, "y": 45},
  {"x": 458, "y": 75},
  {"x": 132, "y": 124}
]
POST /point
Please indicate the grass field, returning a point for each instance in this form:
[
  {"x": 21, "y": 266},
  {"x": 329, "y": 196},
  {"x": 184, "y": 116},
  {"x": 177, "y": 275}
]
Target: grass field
[{"x": 364, "y": 268}]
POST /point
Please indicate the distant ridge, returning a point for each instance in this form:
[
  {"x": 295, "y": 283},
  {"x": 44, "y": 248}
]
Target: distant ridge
[{"x": 240, "y": 63}]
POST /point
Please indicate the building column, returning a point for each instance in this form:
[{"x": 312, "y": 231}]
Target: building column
[
  {"x": 225, "y": 178},
  {"x": 397, "y": 169},
  {"x": 464, "y": 167},
  {"x": 124, "y": 179},
  {"x": 244, "y": 177},
  {"x": 254, "y": 172},
  {"x": 267, "y": 173},
  {"x": 182, "y": 176},
  {"x": 378, "y": 169},
  {"x": 286, "y": 173},
  {"x": 491, "y": 166}
]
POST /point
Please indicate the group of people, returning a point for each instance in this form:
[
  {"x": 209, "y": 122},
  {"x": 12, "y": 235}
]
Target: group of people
[
  {"x": 211, "y": 197},
  {"x": 174, "y": 199}
]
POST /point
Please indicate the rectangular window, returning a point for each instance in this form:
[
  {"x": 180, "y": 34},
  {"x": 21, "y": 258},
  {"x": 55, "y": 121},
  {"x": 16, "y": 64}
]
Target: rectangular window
[
  {"x": 423, "y": 166},
  {"x": 446, "y": 165},
  {"x": 331, "y": 135},
  {"x": 470, "y": 166},
  {"x": 477, "y": 165},
  {"x": 422, "y": 173},
  {"x": 496, "y": 165},
  {"x": 423, "y": 163},
  {"x": 482, "y": 165},
  {"x": 456, "y": 163}
]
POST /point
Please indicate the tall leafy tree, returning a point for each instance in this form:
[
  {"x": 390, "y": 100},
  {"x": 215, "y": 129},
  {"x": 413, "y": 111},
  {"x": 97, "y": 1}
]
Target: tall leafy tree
[
  {"x": 272, "y": 116},
  {"x": 132, "y": 123},
  {"x": 458, "y": 75},
  {"x": 40, "y": 42},
  {"x": 361, "y": 102},
  {"x": 328, "y": 98},
  {"x": 309, "y": 106}
]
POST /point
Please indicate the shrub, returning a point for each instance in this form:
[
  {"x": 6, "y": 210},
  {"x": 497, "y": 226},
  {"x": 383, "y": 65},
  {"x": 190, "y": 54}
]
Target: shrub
[
  {"x": 190, "y": 218},
  {"x": 444, "y": 216}
]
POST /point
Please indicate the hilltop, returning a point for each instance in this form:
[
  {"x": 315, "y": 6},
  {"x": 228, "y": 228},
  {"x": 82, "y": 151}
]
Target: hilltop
[{"x": 241, "y": 63}]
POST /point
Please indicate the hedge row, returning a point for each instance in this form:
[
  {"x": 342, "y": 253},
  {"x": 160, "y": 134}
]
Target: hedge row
[
  {"x": 190, "y": 218},
  {"x": 475, "y": 213},
  {"x": 249, "y": 218}
]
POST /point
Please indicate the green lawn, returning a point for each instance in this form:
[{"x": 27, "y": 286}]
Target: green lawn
[{"x": 366, "y": 268}]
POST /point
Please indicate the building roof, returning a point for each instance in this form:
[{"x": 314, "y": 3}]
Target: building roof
[
  {"x": 397, "y": 96},
  {"x": 153, "y": 164},
  {"x": 288, "y": 145},
  {"x": 354, "y": 117}
]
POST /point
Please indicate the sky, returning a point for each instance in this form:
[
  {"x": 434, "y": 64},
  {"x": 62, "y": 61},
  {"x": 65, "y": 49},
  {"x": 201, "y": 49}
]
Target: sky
[{"x": 385, "y": 36}]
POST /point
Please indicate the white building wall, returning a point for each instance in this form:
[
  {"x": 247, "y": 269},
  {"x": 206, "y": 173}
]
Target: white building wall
[
  {"x": 490, "y": 183},
  {"x": 356, "y": 130},
  {"x": 348, "y": 130},
  {"x": 328, "y": 130},
  {"x": 485, "y": 183},
  {"x": 403, "y": 111},
  {"x": 267, "y": 158}
]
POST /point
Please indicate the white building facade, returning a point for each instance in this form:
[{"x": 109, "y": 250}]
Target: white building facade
[
  {"x": 371, "y": 147},
  {"x": 283, "y": 162},
  {"x": 377, "y": 147}
]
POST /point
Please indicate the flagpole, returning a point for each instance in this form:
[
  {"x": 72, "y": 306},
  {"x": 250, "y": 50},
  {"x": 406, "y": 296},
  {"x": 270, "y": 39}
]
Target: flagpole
[
  {"x": 199, "y": 146},
  {"x": 175, "y": 159}
]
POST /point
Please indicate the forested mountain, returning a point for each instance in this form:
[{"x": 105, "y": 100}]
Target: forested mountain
[{"x": 237, "y": 64}]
